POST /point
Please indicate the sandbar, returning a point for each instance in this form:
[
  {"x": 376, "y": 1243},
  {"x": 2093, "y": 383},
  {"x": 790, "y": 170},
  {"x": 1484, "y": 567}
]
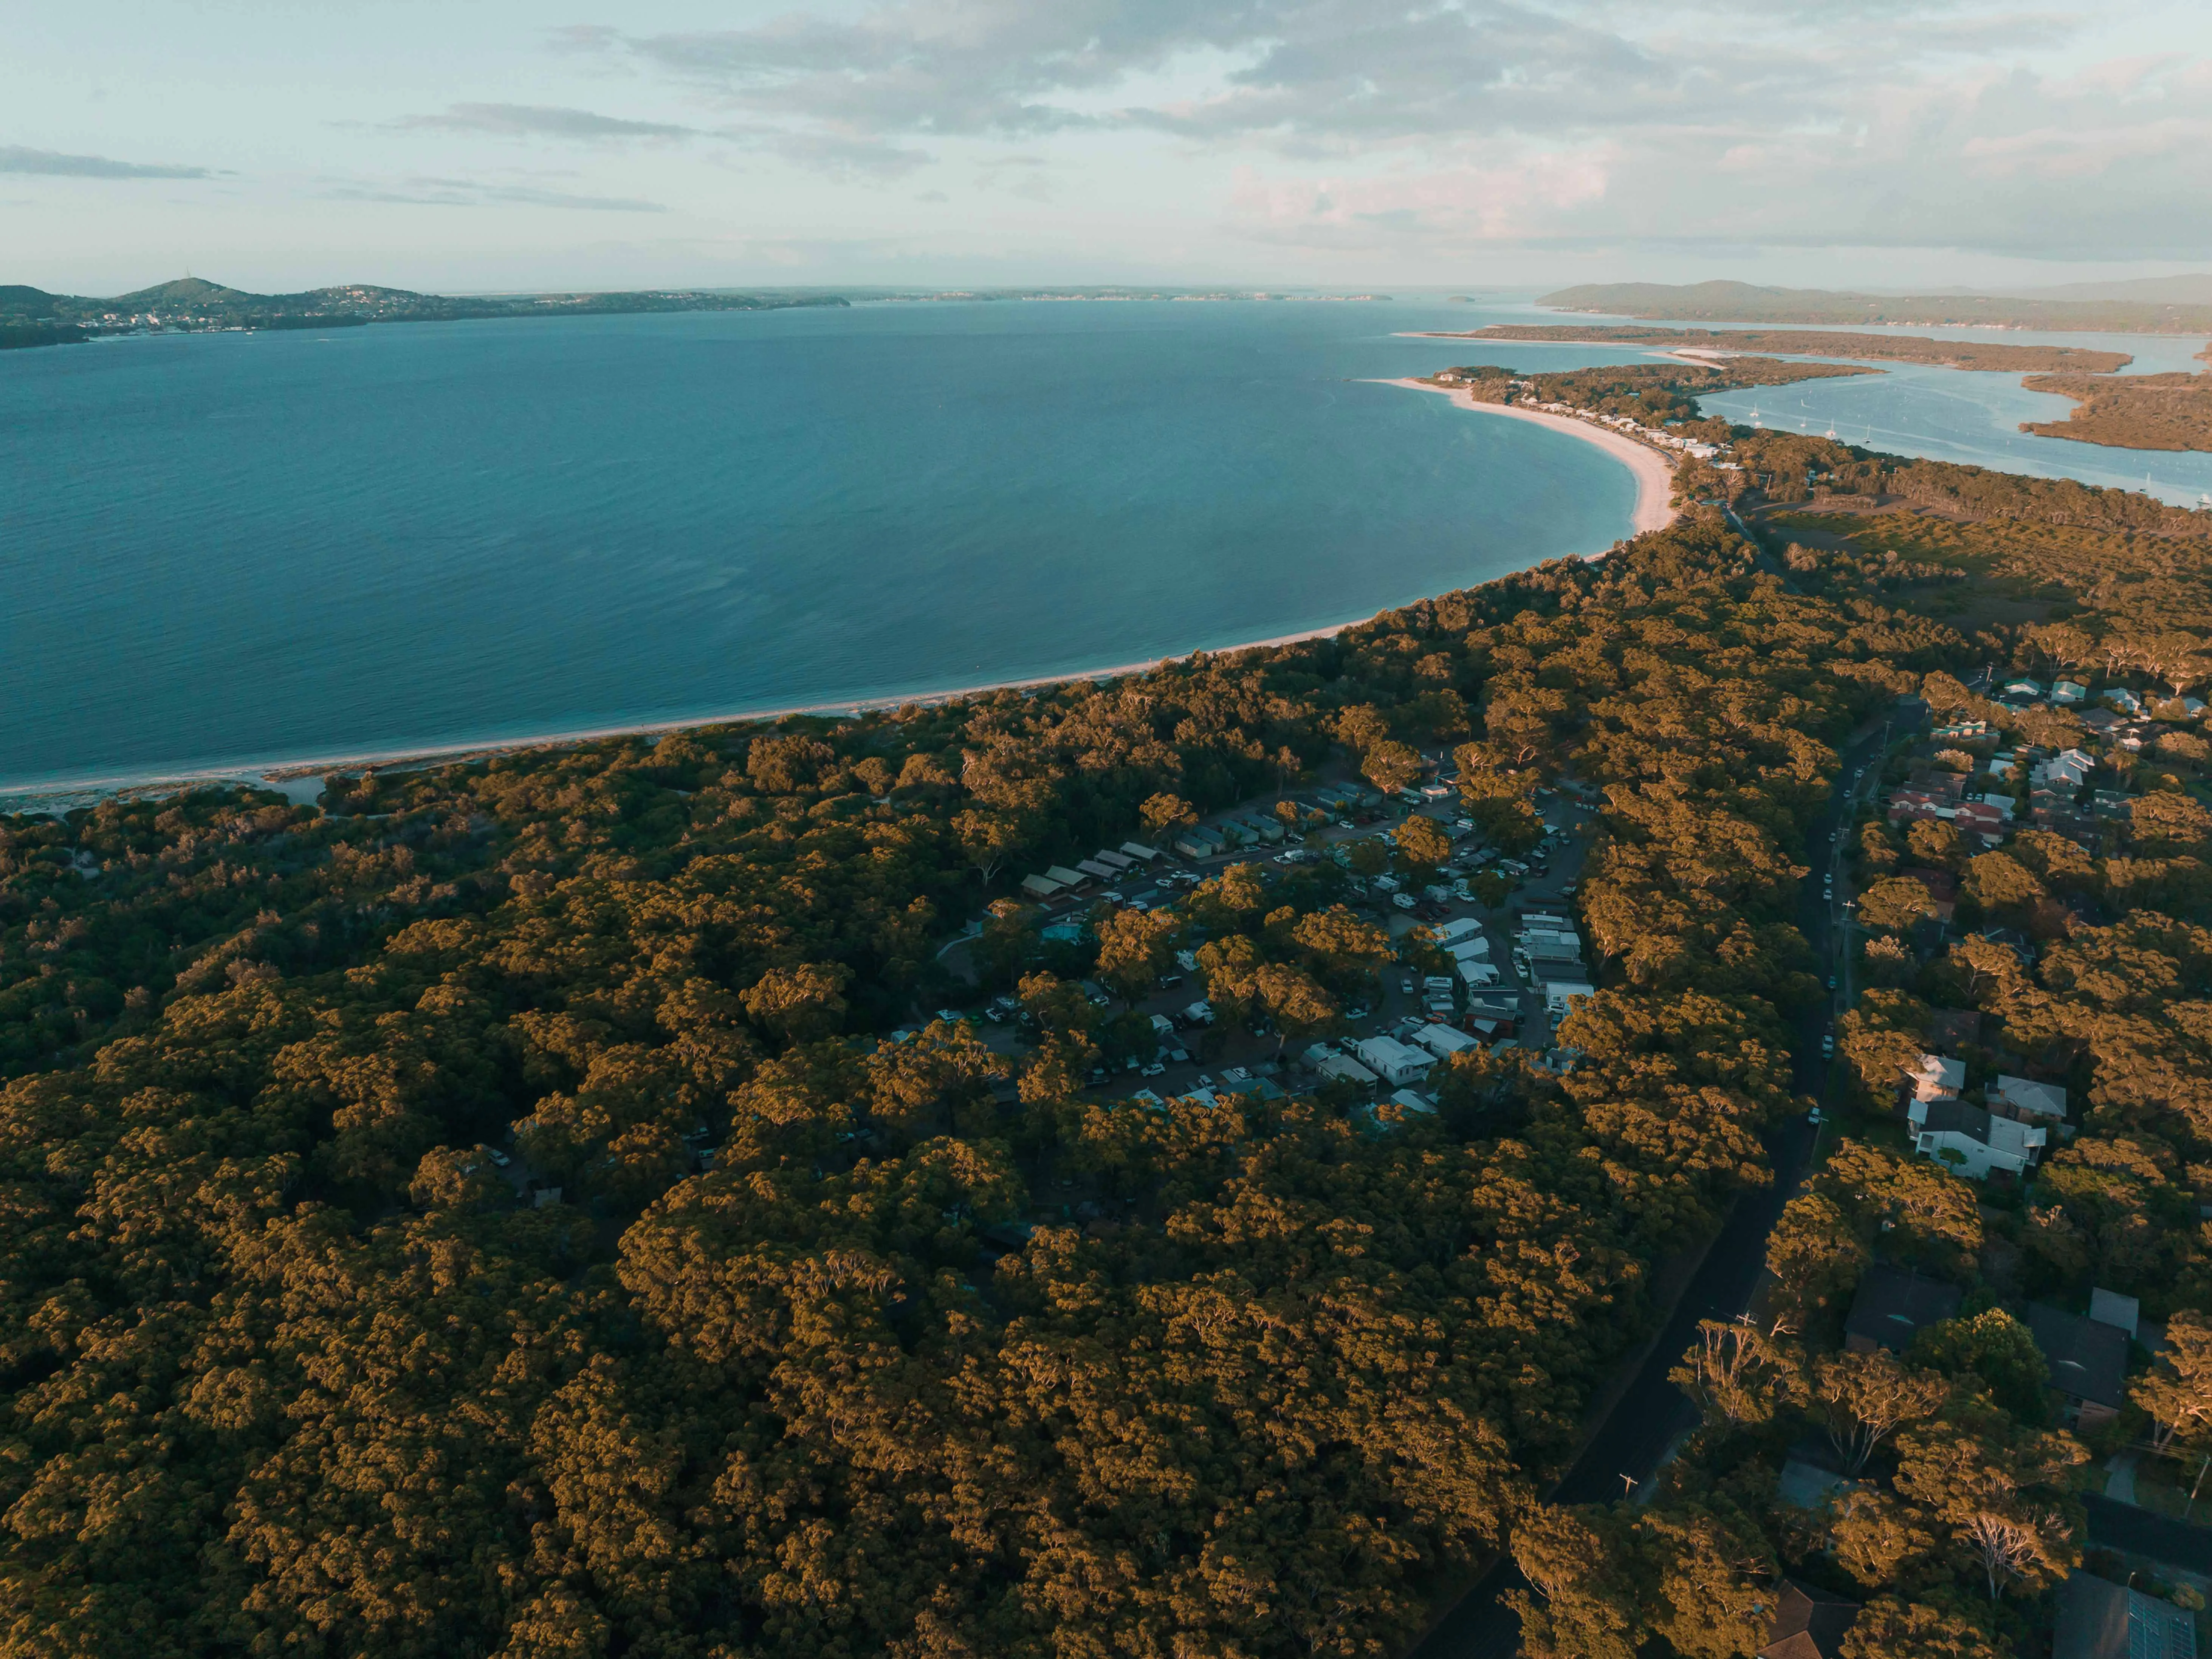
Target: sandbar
[{"x": 1655, "y": 474}]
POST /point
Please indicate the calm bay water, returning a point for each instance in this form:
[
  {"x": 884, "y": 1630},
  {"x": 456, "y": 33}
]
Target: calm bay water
[
  {"x": 223, "y": 551},
  {"x": 231, "y": 550}
]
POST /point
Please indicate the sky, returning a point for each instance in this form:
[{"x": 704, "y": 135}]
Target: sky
[{"x": 1353, "y": 145}]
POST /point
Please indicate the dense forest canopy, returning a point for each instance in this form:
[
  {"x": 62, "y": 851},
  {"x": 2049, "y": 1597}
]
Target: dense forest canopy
[{"x": 824, "y": 1326}]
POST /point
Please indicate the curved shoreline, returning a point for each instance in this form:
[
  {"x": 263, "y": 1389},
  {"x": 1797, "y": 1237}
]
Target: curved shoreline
[
  {"x": 1655, "y": 475},
  {"x": 68, "y": 793},
  {"x": 1654, "y": 481}
]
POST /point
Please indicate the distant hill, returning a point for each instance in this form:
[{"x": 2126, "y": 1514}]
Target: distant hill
[
  {"x": 193, "y": 304},
  {"x": 2192, "y": 290},
  {"x": 190, "y": 292},
  {"x": 1748, "y": 302}
]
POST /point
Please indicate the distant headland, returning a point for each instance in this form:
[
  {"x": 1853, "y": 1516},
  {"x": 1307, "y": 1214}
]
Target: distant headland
[{"x": 33, "y": 317}]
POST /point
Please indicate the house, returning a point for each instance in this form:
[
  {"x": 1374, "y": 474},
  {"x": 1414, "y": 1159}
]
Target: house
[
  {"x": 2100, "y": 721},
  {"x": 1561, "y": 983},
  {"x": 1477, "y": 973},
  {"x": 1407, "y": 1100},
  {"x": 1943, "y": 886},
  {"x": 1142, "y": 854},
  {"x": 1808, "y": 1624},
  {"x": 1934, "y": 1077},
  {"x": 2120, "y": 697},
  {"x": 2102, "y": 1620},
  {"x": 2121, "y": 1313},
  {"x": 1914, "y": 804},
  {"x": 1100, "y": 871},
  {"x": 1972, "y": 1142},
  {"x": 2021, "y": 689},
  {"x": 1065, "y": 877},
  {"x": 1448, "y": 933},
  {"x": 2088, "y": 1364},
  {"x": 2003, "y": 804},
  {"x": 1964, "y": 731},
  {"x": 1952, "y": 1029},
  {"x": 2111, "y": 804},
  {"x": 1443, "y": 1041},
  {"x": 1985, "y": 820},
  {"x": 1114, "y": 861},
  {"x": 1346, "y": 1068},
  {"x": 2068, "y": 691},
  {"x": 1470, "y": 950},
  {"x": 1893, "y": 1306},
  {"x": 1395, "y": 1062},
  {"x": 1198, "y": 843},
  {"x": 1948, "y": 787},
  {"x": 2067, "y": 770},
  {"x": 2022, "y": 1099},
  {"x": 1040, "y": 886}
]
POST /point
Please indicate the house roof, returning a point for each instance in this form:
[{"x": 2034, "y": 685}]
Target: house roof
[
  {"x": 2089, "y": 1361},
  {"x": 2101, "y": 1620},
  {"x": 2044, "y": 1099},
  {"x": 1808, "y": 1624},
  {"x": 1892, "y": 1305}
]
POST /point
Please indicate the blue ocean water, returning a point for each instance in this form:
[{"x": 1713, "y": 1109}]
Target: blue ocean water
[
  {"x": 224, "y": 550},
  {"x": 1950, "y": 414}
]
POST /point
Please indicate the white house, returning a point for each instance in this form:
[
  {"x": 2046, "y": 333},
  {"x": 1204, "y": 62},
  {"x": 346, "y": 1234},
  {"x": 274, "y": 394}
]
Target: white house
[
  {"x": 2068, "y": 768},
  {"x": 1470, "y": 950},
  {"x": 1344, "y": 1067},
  {"x": 1443, "y": 1041},
  {"x": 2120, "y": 697},
  {"x": 2029, "y": 1099},
  {"x": 1397, "y": 1063},
  {"x": 1935, "y": 1077},
  {"x": 1448, "y": 933},
  {"x": 1972, "y": 1142},
  {"x": 1476, "y": 972},
  {"x": 2022, "y": 687},
  {"x": 1562, "y": 981},
  {"x": 2066, "y": 691}
]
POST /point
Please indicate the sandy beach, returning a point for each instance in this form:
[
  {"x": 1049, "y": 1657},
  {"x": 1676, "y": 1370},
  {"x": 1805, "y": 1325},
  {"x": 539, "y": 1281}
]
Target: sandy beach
[
  {"x": 1655, "y": 478},
  {"x": 1653, "y": 486}
]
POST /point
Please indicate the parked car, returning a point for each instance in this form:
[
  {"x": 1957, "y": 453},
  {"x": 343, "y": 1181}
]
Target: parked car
[{"x": 1827, "y": 1048}]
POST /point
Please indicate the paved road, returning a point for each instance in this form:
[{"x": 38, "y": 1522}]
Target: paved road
[{"x": 1654, "y": 1412}]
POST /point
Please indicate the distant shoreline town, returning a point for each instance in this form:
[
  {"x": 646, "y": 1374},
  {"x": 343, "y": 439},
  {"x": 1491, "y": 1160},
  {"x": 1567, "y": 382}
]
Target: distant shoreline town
[{"x": 33, "y": 317}]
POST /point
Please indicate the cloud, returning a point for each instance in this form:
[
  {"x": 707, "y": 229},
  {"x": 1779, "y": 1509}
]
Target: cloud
[
  {"x": 425, "y": 191},
  {"x": 52, "y": 164},
  {"x": 1434, "y": 124},
  {"x": 538, "y": 121}
]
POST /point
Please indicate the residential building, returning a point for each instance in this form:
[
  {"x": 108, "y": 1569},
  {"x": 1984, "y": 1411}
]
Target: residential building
[
  {"x": 1065, "y": 877},
  {"x": 2088, "y": 1364},
  {"x": 1935, "y": 1077},
  {"x": 1343, "y": 1067},
  {"x": 1448, "y": 933},
  {"x": 1561, "y": 983},
  {"x": 1397, "y": 1063},
  {"x": 1443, "y": 1041},
  {"x": 1971, "y": 1141},
  {"x": 1808, "y": 1624},
  {"x": 2066, "y": 692},
  {"x": 2121, "y": 1313},
  {"x": 2021, "y": 1098},
  {"x": 1040, "y": 886},
  {"x": 1137, "y": 850},
  {"x": 2025, "y": 689},
  {"x": 2101, "y": 1620},
  {"x": 1891, "y": 1306},
  {"x": 2099, "y": 721},
  {"x": 2120, "y": 697},
  {"x": 2066, "y": 771}
]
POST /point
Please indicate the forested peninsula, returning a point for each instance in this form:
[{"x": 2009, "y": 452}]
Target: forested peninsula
[
  {"x": 2127, "y": 411},
  {"x": 685, "y": 1196},
  {"x": 32, "y": 317},
  {"x": 1749, "y": 302}
]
